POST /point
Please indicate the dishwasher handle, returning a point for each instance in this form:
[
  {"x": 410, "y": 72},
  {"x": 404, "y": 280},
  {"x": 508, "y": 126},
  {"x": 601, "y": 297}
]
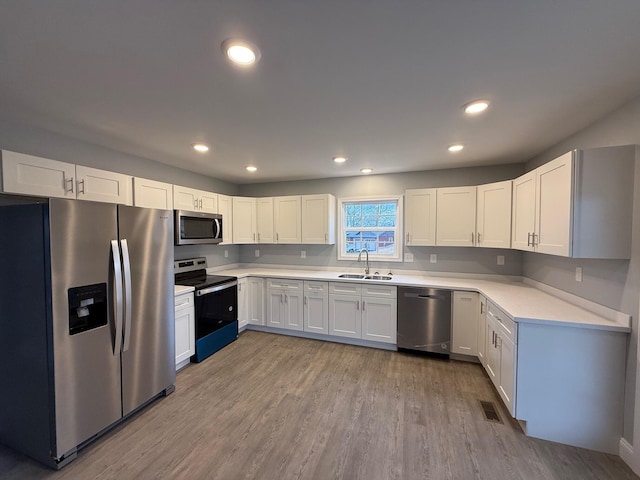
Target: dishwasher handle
[{"x": 425, "y": 297}]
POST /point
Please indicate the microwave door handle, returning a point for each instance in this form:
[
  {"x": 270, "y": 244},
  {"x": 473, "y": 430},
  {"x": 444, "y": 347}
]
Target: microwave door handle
[
  {"x": 217, "y": 223},
  {"x": 117, "y": 280},
  {"x": 127, "y": 294}
]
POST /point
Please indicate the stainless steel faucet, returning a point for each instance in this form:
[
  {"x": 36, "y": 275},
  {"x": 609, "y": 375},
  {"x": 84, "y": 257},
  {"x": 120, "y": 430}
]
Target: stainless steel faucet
[{"x": 366, "y": 268}]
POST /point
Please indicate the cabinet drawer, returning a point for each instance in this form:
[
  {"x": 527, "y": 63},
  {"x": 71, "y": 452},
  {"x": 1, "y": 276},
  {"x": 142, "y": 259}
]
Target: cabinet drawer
[
  {"x": 316, "y": 287},
  {"x": 345, "y": 288},
  {"x": 286, "y": 284},
  {"x": 506, "y": 324},
  {"x": 381, "y": 291},
  {"x": 184, "y": 300}
]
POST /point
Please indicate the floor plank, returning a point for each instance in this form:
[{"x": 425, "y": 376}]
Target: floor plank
[{"x": 277, "y": 407}]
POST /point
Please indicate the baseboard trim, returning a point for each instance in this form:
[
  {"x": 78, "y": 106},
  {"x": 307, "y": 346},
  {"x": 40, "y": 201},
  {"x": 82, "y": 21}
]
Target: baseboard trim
[{"x": 626, "y": 454}]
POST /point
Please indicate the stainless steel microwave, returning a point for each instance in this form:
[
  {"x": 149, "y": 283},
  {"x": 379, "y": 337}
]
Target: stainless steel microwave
[{"x": 195, "y": 228}]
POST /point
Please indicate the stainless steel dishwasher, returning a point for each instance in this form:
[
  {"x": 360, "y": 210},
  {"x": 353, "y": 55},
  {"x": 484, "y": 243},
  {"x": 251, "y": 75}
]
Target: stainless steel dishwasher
[{"x": 424, "y": 319}]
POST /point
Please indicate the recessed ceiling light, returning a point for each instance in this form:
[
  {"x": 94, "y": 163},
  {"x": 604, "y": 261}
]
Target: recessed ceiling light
[
  {"x": 340, "y": 159},
  {"x": 475, "y": 107},
  {"x": 200, "y": 147},
  {"x": 456, "y": 147},
  {"x": 366, "y": 170},
  {"x": 240, "y": 51},
  {"x": 251, "y": 168}
]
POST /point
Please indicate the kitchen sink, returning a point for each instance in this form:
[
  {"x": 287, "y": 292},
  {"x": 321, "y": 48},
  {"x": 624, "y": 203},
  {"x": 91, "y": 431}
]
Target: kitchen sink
[
  {"x": 377, "y": 277},
  {"x": 350, "y": 275},
  {"x": 364, "y": 277}
]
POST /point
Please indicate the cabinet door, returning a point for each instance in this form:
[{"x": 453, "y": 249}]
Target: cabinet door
[
  {"x": 379, "y": 319},
  {"x": 482, "y": 327},
  {"x": 226, "y": 210},
  {"x": 316, "y": 312},
  {"x": 288, "y": 219},
  {"x": 243, "y": 302},
  {"x": 275, "y": 308},
  {"x": 244, "y": 220},
  {"x": 184, "y": 327},
  {"x": 493, "y": 224},
  {"x": 208, "y": 202},
  {"x": 464, "y": 331},
  {"x": 264, "y": 220},
  {"x": 103, "y": 186},
  {"x": 456, "y": 216},
  {"x": 492, "y": 354},
  {"x": 420, "y": 217},
  {"x": 151, "y": 194},
  {"x": 318, "y": 219},
  {"x": 507, "y": 388},
  {"x": 523, "y": 212},
  {"x": 256, "y": 301},
  {"x": 345, "y": 319},
  {"x": 554, "y": 182},
  {"x": 185, "y": 198},
  {"x": 293, "y": 311},
  {"x": 29, "y": 175}
]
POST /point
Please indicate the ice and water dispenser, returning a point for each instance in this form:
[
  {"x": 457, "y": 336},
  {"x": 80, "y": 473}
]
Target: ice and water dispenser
[{"x": 87, "y": 307}]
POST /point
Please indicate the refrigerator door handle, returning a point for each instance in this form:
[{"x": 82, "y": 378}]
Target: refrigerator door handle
[
  {"x": 117, "y": 278},
  {"x": 127, "y": 293}
]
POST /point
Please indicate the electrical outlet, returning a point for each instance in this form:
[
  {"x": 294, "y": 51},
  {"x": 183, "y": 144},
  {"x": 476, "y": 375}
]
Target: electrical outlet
[
  {"x": 578, "y": 274},
  {"x": 257, "y": 252},
  {"x": 303, "y": 254},
  {"x": 500, "y": 259},
  {"x": 226, "y": 254},
  {"x": 433, "y": 258},
  {"x": 408, "y": 257}
]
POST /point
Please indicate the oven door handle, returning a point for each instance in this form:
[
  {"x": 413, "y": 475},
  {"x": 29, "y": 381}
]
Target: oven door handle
[{"x": 217, "y": 288}]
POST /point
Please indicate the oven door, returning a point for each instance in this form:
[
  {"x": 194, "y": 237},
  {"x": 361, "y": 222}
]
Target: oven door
[{"x": 216, "y": 307}]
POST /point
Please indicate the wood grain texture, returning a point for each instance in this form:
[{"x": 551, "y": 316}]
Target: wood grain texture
[{"x": 278, "y": 407}]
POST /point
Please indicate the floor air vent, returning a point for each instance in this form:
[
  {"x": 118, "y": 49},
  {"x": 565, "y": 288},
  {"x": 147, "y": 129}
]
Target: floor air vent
[{"x": 490, "y": 412}]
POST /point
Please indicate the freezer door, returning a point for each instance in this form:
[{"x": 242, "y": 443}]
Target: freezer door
[
  {"x": 148, "y": 351},
  {"x": 86, "y": 368}
]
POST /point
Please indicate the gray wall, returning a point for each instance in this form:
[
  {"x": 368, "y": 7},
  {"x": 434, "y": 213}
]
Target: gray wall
[
  {"x": 463, "y": 260},
  {"x": 613, "y": 283},
  {"x": 34, "y": 141}
]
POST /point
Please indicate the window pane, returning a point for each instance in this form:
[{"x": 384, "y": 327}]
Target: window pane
[
  {"x": 354, "y": 222},
  {"x": 388, "y": 209},
  {"x": 353, "y": 209},
  {"x": 370, "y": 209},
  {"x": 370, "y": 221},
  {"x": 387, "y": 221}
]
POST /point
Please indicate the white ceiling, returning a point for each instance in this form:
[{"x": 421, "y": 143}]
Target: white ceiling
[{"x": 382, "y": 81}]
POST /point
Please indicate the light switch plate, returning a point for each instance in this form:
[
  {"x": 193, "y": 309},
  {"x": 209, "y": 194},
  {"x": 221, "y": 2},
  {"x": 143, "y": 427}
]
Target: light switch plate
[
  {"x": 500, "y": 259},
  {"x": 408, "y": 257},
  {"x": 578, "y": 274},
  {"x": 303, "y": 254},
  {"x": 433, "y": 258},
  {"x": 257, "y": 252},
  {"x": 226, "y": 254}
]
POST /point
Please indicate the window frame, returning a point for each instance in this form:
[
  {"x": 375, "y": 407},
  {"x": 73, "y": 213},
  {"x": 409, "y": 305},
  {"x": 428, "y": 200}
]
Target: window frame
[{"x": 398, "y": 229}]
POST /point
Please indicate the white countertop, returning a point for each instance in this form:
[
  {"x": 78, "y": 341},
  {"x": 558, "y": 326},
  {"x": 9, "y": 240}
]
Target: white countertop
[
  {"x": 178, "y": 289},
  {"x": 524, "y": 303}
]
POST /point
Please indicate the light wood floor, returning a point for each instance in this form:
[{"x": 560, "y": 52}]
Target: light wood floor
[{"x": 274, "y": 407}]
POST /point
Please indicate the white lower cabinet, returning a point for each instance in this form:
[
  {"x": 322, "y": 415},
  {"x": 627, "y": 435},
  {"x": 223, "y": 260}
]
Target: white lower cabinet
[
  {"x": 316, "y": 307},
  {"x": 464, "y": 323},
  {"x": 184, "y": 328},
  {"x": 255, "y": 301},
  {"x": 284, "y": 304},
  {"x": 501, "y": 355},
  {"x": 482, "y": 327},
  {"x": 368, "y": 312},
  {"x": 243, "y": 302}
]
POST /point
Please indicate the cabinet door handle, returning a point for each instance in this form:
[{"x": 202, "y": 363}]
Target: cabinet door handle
[
  {"x": 254, "y": 237},
  {"x": 195, "y": 203},
  {"x": 200, "y": 202},
  {"x": 363, "y": 305},
  {"x": 282, "y": 298},
  {"x": 70, "y": 181},
  {"x": 286, "y": 298},
  {"x": 258, "y": 236},
  {"x": 482, "y": 308},
  {"x": 326, "y": 237},
  {"x": 407, "y": 239},
  {"x": 478, "y": 238},
  {"x": 277, "y": 237},
  {"x": 305, "y": 299},
  {"x": 81, "y": 182},
  {"x": 529, "y": 239},
  {"x": 533, "y": 239},
  {"x": 357, "y": 304},
  {"x": 473, "y": 236}
]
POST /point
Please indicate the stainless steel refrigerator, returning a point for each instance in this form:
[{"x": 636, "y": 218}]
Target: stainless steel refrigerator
[{"x": 86, "y": 321}]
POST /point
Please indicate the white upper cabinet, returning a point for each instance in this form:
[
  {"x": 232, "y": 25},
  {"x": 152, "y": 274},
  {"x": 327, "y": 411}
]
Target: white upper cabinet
[
  {"x": 582, "y": 206},
  {"x": 319, "y": 219},
  {"x": 151, "y": 194},
  {"x": 456, "y": 216},
  {"x": 288, "y": 219},
  {"x": 30, "y": 175},
  {"x": 264, "y": 220},
  {"x": 225, "y": 208},
  {"x": 523, "y": 211},
  {"x": 244, "y": 220},
  {"x": 420, "y": 217},
  {"x": 493, "y": 212},
  {"x": 185, "y": 198}
]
